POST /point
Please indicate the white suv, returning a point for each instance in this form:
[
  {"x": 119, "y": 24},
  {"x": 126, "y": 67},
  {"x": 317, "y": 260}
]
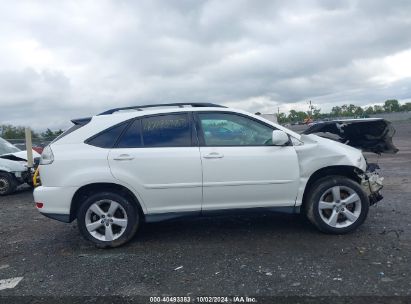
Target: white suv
[{"x": 126, "y": 166}]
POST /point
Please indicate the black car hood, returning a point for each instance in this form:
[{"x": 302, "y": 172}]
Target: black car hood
[{"x": 370, "y": 135}]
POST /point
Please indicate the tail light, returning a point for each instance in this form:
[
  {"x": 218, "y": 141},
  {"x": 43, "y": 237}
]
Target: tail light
[{"x": 47, "y": 156}]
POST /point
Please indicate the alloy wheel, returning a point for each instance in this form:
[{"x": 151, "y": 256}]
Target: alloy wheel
[
  {"x": 4, "y": 185},
  {"x": 339, "y": 206},
  {"x": 106, "y": 220}
]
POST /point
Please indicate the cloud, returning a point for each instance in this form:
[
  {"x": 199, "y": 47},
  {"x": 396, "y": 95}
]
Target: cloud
[{"x": 66, "y": 59}]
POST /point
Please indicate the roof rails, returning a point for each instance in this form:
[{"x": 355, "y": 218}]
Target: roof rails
[{"x": 181, "y": 104}]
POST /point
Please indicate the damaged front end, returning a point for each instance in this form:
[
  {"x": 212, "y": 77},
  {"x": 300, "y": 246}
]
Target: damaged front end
[
  {"x": 372, "y": 183},
  {"x": 369, "y": 135}
]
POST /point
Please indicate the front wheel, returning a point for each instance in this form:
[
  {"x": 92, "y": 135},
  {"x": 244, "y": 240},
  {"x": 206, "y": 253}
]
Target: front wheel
[
  {"x": 8, "y": 183},
  {"x": 108, "y": 219},
  {"x": 337, "y": 205}
]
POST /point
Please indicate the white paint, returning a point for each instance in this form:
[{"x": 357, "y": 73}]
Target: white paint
[
  {"x": 186, "y": 178},
  {"x": 263, "y": 176},
  {"x": 10, "y": 283}
]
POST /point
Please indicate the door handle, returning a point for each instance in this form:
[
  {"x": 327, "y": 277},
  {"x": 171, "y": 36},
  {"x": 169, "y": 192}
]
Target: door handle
[
  {"x": 213, "y": 155},
  {"x": 124, "y": 157}
]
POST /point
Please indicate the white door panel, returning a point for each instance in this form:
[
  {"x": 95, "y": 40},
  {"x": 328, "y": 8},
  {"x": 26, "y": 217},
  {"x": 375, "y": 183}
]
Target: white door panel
[
  {"x": 248, "y": 177},
  {"x": 167, "y": 179}
]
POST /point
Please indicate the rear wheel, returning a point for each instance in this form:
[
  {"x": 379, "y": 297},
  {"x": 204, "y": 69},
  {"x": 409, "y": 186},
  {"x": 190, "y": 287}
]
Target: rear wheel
[
  {"x": 337, "y": 205},
  {"x": 108, "y": 219},
  {"x": 8, "y": 183}
]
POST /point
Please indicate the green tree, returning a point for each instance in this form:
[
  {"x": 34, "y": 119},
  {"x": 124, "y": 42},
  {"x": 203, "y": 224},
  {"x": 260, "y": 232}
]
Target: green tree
[
  {"x": 15, "y": 132},
  {"x": 316, "y": 112},
  {"x": 336, "y": 111},
  {"x": 48, "y": 134},
  {"x": 293, "y": 116},
  {"x": 359, "y": 112},
  {"x": 301, "y": 115},
  {"x": 369, "y": 110},
  {"x": 378, "y": 109},
  {"x": 282, "y": 118},
  {"x": 406, "y": 107},
  {"x": 391, "y": 105},
  {"x": 351, "y": 109}
]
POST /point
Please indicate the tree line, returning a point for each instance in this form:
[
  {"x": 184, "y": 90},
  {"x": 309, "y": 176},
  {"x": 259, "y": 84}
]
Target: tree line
[
  {"x": 389, "y": 106},
  {"x": 18, "y": 132},
  {"x": 346, "y": 110}
]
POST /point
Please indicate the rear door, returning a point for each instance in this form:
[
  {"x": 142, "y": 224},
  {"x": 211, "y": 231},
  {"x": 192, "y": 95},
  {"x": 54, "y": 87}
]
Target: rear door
[
  {"x": 241, "y": 167},
  {"x": 159, "y": 156}
]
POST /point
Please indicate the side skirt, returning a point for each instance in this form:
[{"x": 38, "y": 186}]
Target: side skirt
[{"x": 160, "y": 217}]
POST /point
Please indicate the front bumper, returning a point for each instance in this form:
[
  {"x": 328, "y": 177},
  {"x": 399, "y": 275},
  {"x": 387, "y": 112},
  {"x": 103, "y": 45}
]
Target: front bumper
[{"x": 372, "y": 183}]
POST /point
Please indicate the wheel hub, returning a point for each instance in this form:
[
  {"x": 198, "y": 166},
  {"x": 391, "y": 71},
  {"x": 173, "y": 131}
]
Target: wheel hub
[
  {"x": 340, "y": 206},
  {"x": 106, "y": 220},
  {"x": 3, "y": 184}
]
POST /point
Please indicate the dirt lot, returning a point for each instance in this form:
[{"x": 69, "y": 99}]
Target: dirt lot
[{"x": 256, "y": 255}]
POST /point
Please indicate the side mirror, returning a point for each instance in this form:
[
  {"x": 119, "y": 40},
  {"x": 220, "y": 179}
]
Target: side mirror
[{"x": 279, "y": 138}]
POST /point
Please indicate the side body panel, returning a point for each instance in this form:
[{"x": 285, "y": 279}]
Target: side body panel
[
  {"x": 74, "y": 166},
  {"x": 168, "y": 179},
  {"x": 249, "y": 177}
]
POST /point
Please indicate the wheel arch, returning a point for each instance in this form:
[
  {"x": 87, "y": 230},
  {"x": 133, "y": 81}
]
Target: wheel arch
[
  {"x": 86, "y": 190},
  {"x": 350, "y": 172}
]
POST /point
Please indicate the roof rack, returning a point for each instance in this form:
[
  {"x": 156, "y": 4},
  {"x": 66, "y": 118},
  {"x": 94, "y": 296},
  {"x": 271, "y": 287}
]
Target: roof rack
[{"x": 181, "y": 104}]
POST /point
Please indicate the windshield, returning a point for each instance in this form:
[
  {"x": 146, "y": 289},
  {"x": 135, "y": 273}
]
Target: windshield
[{"x": 6, "y": 147}]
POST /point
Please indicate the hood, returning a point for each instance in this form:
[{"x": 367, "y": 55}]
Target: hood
[
  {"x": 369, "y": 135},
  {"x": 19, "y": 156}
]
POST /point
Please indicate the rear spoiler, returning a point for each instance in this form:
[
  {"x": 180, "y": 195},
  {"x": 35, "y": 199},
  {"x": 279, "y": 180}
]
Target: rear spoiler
[
  {"x": 81, "y": 121},
  {"x": 78, "y": 123}
]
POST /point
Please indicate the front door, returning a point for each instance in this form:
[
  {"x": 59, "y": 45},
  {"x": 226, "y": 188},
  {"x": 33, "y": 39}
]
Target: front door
[{"x": 241, "y": 167}]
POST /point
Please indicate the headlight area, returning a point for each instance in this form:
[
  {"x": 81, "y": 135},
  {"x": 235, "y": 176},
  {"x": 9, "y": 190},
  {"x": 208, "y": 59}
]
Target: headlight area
[{"x": 372, "y": 183}]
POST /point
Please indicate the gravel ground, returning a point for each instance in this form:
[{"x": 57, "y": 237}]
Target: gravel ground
[{"x": 250, "y": 255}]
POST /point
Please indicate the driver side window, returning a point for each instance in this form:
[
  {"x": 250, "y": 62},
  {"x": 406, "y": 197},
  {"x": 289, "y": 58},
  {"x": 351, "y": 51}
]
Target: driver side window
[{"x": 225, "y": 129}]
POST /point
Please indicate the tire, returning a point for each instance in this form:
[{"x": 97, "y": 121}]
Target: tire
[
  {"x": 344, "y": 205},
  {"x": 95, "y": 220},
  {"x": 8, "y": 183}
]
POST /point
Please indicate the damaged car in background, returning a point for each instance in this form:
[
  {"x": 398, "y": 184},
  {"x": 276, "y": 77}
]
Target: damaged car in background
[
  {"x": 13, "y": 167},
  {"x": 369, "y": 135}
]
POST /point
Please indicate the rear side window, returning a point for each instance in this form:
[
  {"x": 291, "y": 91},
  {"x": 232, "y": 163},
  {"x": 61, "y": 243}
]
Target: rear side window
[
  {"x": 132, "y": 136},
  {"x": 107, "y": 138},
  {"x": 172, "y": 130}
]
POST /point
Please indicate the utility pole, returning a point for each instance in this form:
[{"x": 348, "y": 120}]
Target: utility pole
[{"x": 29, "y": 148}]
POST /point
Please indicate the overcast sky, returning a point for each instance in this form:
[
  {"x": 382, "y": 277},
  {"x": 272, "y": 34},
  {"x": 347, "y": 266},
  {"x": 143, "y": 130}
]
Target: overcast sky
[{"x": 65, "y": 59}]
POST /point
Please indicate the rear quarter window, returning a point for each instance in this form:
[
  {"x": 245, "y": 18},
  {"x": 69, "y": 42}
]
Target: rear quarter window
[
  {"x": 108, "y": 137},
  {"x": 132, "y": 136}
]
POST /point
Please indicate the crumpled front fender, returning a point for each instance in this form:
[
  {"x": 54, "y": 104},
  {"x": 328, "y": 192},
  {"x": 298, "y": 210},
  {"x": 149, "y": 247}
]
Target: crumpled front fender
[{"x": 316, "y": 153}]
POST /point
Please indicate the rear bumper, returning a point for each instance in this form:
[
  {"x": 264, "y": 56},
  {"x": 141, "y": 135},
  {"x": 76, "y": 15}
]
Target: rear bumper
[
  {"x": 56, "y": 201},
  {"x": 58, "y": 217}
]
